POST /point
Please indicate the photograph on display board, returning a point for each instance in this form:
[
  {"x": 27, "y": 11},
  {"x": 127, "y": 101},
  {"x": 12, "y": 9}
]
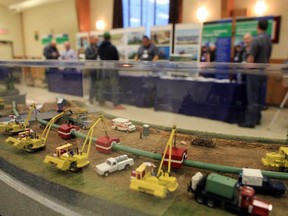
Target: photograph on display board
[
  {"x": 187, "y": 36},
  {"x": 117, "y": 39},
  {"x": 132, "y": 52},
  {"x": 187, "y": 50},
  {"x": 164, "y": 52},
  {"x": 122, "y": 52},
  {"x": 161, "y": 37},
  {"x": 134, "y": 38}
]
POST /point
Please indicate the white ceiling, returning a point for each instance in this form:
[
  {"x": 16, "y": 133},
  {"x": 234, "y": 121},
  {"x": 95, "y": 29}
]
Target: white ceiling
[
  {"x": 10, "y": 2},
  {"x": 20, "y": 5}
]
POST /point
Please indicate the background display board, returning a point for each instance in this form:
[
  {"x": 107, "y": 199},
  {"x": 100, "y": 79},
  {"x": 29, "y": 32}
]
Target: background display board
[
  {"x": 216, "y": 40},
  {"x": 46, "y": 39},
  {"x": 118, "y": 39},
  {"x": 187, "y": 40},
  {"x": 61, "y": 38},
  {"x": 161, "y": 36}
]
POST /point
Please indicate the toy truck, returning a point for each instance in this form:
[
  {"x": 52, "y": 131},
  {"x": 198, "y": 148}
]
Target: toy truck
[
  {"x": 123, "y": 124},
  {"x": 260, "y": 183},
  {"x": 277, "y": 159},
  {"x": 215, "y": 189},
  {"x": 114, "y": 164}
]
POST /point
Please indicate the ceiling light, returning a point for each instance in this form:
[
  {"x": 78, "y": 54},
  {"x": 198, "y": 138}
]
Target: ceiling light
[
  {"x": 260, "y": 7},
  {"x": 202, "y": 14}
]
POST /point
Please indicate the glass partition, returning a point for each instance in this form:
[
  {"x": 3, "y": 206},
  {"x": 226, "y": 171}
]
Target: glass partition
[{"x": 142, "y": 107}]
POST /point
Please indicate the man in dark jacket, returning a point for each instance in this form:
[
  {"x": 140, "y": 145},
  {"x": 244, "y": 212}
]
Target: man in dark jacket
[
  {"x": 107, "y": 51},
  {"x": 51, "y": 51}
]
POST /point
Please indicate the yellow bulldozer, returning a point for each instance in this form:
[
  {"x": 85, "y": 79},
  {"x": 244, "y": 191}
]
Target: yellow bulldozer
[
  {"x": 29, "y": 141},
  {"x": 277, "y": 159},
  {"x": 67, "y": 160},
  {"x": 14, "y": 126},
  {"x": 158, "y": 184}
]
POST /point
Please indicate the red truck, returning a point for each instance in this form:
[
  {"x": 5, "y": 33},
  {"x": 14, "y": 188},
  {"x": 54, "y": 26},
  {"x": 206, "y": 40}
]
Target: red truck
[{"x": 216, "y": 190}]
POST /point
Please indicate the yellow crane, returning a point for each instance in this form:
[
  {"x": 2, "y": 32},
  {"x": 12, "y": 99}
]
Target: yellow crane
[
  {"x": 29, "y": 141},
  {"x": 66, "y": 159},
  {"x": 13, "y": 126},
  {"x": 145, "y": 180}
]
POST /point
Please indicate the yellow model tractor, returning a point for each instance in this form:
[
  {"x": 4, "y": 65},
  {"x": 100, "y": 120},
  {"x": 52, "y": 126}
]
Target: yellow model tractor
[
  {"x": 66, "y": 159},
  {"x": 277, "y": 159},
  {"x": 14, "y": 126},
  {"x": 158, "y": 184},
  {"x": 29, "y": 141}
]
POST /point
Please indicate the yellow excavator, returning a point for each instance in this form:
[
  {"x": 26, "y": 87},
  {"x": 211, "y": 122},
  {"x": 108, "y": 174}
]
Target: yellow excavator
[
  {"x": 66, "y": 159},
  {"x": 29, "y": 141},
  {"x": 14, "y": 126},
  {"x": 144, "y": 179}
]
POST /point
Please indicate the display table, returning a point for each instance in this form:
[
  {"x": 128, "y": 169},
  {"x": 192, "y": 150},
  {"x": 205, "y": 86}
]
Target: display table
[
  {"x": 66, "y": 81},
  {"x": 137, "y": 89},
  {"x": 212, "y": 99}
]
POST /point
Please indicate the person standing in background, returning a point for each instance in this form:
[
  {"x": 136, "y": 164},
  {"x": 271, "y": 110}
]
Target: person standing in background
[
  {"x": 109, "y": 78},
  {"x": 51, "y": 51},
  {"x": 68, "y": 53},
  {"x": 247, "y": 39},
  {"x": 260, "y": 52},
  {"x": 91, "y": 53},
  {"x": 147, "y": 51}
]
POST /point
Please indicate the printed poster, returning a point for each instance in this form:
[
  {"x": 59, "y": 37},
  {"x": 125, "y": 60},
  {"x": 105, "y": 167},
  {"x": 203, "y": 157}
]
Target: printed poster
[{"x": 216, "y": 41}]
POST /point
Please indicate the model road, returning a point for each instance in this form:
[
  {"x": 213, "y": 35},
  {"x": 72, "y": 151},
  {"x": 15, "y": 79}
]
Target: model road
[{"x": 17, "y": 198}]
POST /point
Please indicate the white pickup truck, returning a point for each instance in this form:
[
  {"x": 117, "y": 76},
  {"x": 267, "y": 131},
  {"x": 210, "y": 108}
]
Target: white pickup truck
[{"x": 114, "y": 164}]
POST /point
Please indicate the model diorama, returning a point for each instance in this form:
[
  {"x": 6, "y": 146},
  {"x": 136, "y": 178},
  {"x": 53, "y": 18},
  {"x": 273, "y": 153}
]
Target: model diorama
[{"x": 213, "y": 189}]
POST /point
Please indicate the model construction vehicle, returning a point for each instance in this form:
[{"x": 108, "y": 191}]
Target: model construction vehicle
[
  {"x": 277, "y": 159},
  {"x": 260, "y": 183},
  {"x": 217, "y": 190},
  {"x": 14, "y": 126},
  {"x": 30, "y": 141},
  {"x": 114, "y": 164},
  {"x": 122, "y": 124},
  {"x": 143, "y": 179},
  {"x": 66, "y": 159}
]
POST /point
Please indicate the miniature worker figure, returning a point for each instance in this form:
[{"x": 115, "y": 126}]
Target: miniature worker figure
[
  {"x": 260, "y": 52},
  {"x": 147, "y": 51},
  {"x": 68, "y": 53},
  {"x": 51, "y": 51}
]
